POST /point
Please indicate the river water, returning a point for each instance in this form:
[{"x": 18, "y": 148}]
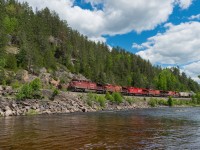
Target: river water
[{"x": 160, "y": 128}]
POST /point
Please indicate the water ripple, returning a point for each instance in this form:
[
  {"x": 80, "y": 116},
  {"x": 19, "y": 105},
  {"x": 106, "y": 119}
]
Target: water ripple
[{"x": 165, "y": 128}]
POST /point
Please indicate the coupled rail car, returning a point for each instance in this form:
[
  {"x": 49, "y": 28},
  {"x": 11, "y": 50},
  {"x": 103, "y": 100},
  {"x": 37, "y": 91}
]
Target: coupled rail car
[{"x": 85, "y": 86}]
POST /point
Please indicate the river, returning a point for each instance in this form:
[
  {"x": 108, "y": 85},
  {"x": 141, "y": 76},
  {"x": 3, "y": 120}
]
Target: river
[{"x": 157, "y": 128}]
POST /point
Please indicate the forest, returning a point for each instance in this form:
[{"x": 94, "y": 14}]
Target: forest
[{"x": 31, "y": 40}]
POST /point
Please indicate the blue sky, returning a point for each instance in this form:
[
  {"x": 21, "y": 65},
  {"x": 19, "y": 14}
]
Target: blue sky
[
  {"x": 178, "y": 16},
  {"x": 166, "y": 32}
]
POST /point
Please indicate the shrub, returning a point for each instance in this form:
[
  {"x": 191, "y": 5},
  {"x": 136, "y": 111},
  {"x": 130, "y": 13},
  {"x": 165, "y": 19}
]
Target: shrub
[
  {"x": 109, "y": 97},
  {"x": 25, "y": 92},
  {"x": 170, "y": 101},
  {"x": 16, "y": 85},
  {"x": 55, "y": 92},
  {"x": 31, "y": 90},
  {"x": 117, "y": 97},
  {"x": 36, "y": 84},
  {"x": 102, "y": 101},
  {"x": 152, "y": 102},
  {"x": 162, "y": 102},
  {"x": 31, "y": 112},
  {"x": 89, "y": 102},
  {"x": 91, "y": 98},
  {"x": 130, "y": 100}
]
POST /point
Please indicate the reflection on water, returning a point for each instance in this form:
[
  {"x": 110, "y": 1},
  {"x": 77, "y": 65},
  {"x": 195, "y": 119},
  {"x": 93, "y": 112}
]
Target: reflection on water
[{"x": 165, "y": 128}]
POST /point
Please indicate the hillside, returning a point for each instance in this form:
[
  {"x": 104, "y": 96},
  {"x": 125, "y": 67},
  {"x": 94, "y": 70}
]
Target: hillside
[{"x": 34, "y": 40}]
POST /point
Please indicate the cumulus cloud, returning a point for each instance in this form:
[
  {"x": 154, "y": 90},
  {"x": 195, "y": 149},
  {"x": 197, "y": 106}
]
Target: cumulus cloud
[
  {"x": 114, "y": 17},
  {"x": 180, "y": 44},
  {"x": 184, "y": 4},
  {"x": 195, "y": 17},
  {"x": 137, "y": 46},
  {"x": 193, "y": 70}
]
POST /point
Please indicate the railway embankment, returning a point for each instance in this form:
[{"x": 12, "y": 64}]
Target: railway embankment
[{"x": 69, "y": 102}]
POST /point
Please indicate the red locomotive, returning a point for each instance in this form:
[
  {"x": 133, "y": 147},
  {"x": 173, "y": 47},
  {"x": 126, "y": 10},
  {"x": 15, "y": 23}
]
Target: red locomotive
[
  {"x": 112, "y": 88},
  {"x": 135, "y": 91},
  {"x": 82, "y": 85}
]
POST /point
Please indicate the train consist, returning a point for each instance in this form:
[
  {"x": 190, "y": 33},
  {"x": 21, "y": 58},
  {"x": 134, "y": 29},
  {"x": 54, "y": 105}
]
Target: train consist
[{"x": 84, "y": 86}]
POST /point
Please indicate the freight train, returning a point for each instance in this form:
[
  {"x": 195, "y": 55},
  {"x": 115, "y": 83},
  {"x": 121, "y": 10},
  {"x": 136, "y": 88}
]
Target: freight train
[{"x": 85, "y": 86}]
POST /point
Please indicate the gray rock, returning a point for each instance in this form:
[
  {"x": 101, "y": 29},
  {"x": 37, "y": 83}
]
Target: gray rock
[
  {"x": 47, "y": 112},
  {"x": 35, "y": 106},
  {"x": 22, "y": 75},
  {"x": 25, "y": 103},
  {"x": 27, "y": 108},
  {"x": 7, "y": 108},
  {"x": 1, "y": 88},
  {"x": 8, "y": 113},
  {"x": 1, "y": 113},
  {"x": 43, "y": 70},
  {"x": 45, "y": 78}
]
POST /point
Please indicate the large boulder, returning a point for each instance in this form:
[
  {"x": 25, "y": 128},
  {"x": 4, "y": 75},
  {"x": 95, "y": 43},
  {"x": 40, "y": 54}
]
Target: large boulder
[
  {"x": 8, "y": 111},
  {"x": 22, "y": 75},
  {"x": 45, "y": 78},
  {"x": 43, "y": 70},
  {"x": 47, "y": 93},
  {"x": 1, "y": 88}
]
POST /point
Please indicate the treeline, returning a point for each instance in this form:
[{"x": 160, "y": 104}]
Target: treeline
[{"x": 31, "y": 40}]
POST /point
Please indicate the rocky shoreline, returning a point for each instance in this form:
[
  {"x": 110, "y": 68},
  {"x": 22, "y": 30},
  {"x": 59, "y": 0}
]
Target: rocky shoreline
[{"x": 65, "y": 102}]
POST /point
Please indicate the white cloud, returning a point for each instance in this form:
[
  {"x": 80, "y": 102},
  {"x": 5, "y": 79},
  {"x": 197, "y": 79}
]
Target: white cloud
[
  {"x": 115, "y": 17},
  {"x": 180, "y": 44},
  {"x": 137, "y": 46},
  {"x": 184, "y": 4},
  {"x": 193, "y": 70},
  {"x": 195, "y": 17}
]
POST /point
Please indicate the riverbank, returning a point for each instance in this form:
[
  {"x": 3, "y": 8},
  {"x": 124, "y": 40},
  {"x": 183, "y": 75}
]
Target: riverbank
[
  {"x": 69, "y": 102},
  {"x": 65, "y": 102}
]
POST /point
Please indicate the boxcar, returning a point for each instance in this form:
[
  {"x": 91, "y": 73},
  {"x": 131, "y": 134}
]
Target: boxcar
[{"x": 184, "y": 94}]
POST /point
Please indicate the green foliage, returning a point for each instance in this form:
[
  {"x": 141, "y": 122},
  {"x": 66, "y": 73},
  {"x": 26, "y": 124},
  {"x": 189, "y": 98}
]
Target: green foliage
[
  {"x": 30, "y": 90},
  {"x": 55, "y": 92},
  {"x": 10, "y": 24},
  {"x": 102, "y": 101},
  {"x": 36, "y": 84},
  {"x": 16, "y": 84},
  {"x": 196, "y": 99},
  {"x": 26, "y": 92},
  {"x": 170, "y": 101},
  {"x": 92, "y": 96},
  {"x": 2, "y": 77},
  {"x": 11, "y": 62},
  {"x": 152, "y": 102},
  {"x": 95, "y": 98},
  {"x": 31, "y": 112},
  {"x": 89, "y": 102},
  {"x": 130, "y": 100},
  {"x": 109, "y": 97},
  {"x": 2, "y": 63},
  {"x": 162, "y": 102},
  {"x": 117, "y": 97}
]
